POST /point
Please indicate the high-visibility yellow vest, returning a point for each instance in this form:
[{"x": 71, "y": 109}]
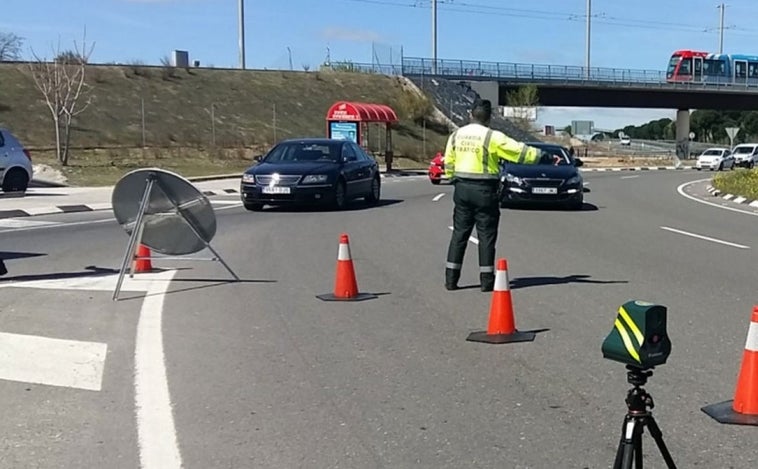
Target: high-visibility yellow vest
[{"x": 474, "y": 152}]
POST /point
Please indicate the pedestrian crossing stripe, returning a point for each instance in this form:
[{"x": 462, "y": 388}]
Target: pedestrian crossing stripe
[{"x": 21, "y": 223}]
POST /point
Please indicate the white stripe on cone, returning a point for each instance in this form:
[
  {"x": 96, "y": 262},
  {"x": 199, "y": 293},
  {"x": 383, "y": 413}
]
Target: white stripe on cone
[
  {"x": 752, "y": 337},
  {"x": 501, "y": 280},
  {"x": 344, "y": 252}
]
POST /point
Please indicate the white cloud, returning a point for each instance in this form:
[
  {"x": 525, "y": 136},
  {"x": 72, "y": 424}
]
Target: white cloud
[
  {"x": 604, "y": 118},
  {"x": 350, "y": 35}
]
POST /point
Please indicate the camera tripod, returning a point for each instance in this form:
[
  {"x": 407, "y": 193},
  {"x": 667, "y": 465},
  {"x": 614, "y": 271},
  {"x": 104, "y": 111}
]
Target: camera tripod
[{"x": 637, "y": 417}]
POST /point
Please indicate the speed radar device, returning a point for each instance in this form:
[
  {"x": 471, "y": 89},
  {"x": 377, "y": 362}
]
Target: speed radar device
[{"x": 639, "y": 337}]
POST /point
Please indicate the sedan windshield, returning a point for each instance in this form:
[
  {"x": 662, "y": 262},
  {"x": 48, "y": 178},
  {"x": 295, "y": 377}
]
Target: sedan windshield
[
  {"x": 712, "y": 153},
  {"x": 295, "y": 152},
  {"x": 549, "y": 154}
]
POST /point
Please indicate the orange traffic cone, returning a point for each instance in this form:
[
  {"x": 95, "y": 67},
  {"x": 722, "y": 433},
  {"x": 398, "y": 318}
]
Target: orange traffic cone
[
  {"x": 142, "y": 261},
  {"x": 502, "y": 324},
  {"x": 345, "y": 285},
  {"x": 743, "y": 410}
]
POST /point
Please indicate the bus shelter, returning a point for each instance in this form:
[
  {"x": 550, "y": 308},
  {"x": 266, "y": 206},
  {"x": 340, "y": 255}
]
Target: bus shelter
[{"x": 349, "y": 120}]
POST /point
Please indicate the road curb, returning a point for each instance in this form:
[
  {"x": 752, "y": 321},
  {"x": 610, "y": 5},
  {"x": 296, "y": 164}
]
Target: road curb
[
  {"x": 76, "y": 208},
  {"x": 731, "y": 197},
  {"x": 636, "y": 168}
]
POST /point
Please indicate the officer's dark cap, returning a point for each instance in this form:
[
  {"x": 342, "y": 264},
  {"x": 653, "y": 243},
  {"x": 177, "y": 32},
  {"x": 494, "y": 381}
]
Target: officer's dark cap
[{"x": 484, "y": 105}]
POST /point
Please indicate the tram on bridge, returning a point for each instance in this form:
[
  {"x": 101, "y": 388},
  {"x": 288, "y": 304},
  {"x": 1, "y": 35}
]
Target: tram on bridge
[{"x": 691, "y": 66}]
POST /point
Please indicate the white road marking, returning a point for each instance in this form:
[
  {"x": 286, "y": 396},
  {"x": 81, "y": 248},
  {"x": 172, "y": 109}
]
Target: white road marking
[
  {"x": 706, "y": 238},
  {"x": 438, "y": 197},
  {"x": 630, "y": 177},
  {"x": 23, "y": 223},
  {"x": 155, "y": 421},
  {"x": 226, "y": 202},
  {"x": 470, "y": 238},
  {"x": 681, "y": 192},
  {"x": 53, "y": 362},
  {"x": 139, "y": 283}
]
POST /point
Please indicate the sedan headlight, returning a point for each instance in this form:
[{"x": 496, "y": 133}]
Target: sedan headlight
[
  {"x": 248, "y": 178},
  {"x": 574, "y": 180},
  {"x": 314, "y": 178},
  {"x": 514, "y": 179}
]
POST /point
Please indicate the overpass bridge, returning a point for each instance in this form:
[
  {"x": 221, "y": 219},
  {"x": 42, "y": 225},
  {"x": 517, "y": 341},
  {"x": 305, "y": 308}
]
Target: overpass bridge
[{"x": 567, "y": 85}]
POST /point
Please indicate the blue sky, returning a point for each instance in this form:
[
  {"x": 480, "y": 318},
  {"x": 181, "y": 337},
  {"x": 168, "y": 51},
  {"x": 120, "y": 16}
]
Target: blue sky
[{"x": 638, "y": 35}]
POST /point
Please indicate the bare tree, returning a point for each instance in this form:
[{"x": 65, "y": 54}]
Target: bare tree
[
  {"x": 62, "y": 83},
  {"x": 10, "y": 47}
]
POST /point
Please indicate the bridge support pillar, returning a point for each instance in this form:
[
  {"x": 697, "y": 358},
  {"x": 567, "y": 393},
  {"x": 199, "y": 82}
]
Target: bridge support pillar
[{"x": 683, "y": 133}]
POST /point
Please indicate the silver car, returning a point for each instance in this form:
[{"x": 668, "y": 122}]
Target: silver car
[{"x": 15, "y": 163}]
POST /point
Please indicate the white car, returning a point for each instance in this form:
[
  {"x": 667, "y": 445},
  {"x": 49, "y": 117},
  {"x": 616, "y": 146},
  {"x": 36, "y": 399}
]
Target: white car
[
  {"x": 626, "y": 141},
  {"x": 15, "y": 163},
  {"x": 746, "y": 155},
  {"x": 715, "y": 159}
]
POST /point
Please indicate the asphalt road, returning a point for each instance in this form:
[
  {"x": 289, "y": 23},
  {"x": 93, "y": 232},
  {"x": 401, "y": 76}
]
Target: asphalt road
[{"x": 261, "y": 373}]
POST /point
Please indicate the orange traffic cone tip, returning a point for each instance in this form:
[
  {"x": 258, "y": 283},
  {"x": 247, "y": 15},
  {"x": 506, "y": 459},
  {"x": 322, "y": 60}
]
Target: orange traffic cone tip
[
  {"x": 501, "y": 328},
  {"x": 142, "y": 262},
  {"x": 743, "y": 409},
  {"x": 345, "y": 284}
]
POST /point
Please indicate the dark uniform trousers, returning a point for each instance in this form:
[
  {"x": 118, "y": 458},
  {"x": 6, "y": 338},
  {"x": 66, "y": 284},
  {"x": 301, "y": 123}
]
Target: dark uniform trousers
[{"x": 476, "y": 204}]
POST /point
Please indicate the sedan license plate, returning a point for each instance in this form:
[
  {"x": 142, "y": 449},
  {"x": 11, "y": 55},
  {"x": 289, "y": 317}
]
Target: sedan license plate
[
  {"x": 276, "y": 190},
  {"x": 544, "y": 190}
]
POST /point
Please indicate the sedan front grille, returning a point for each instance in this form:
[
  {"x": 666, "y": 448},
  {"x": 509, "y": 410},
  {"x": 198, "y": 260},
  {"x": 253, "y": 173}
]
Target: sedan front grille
[
  {"x": 543, "y": 182},
  {"x": 284, "y": 180}
]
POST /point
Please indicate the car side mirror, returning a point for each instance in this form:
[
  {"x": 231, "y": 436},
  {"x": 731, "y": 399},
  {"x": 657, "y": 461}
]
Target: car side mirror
[
  {"x": 578, "y": 162},
  {"x": 257, "y": 157}
]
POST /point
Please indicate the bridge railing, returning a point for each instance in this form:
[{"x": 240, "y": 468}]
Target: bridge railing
[{"x": 506, "y": 70}]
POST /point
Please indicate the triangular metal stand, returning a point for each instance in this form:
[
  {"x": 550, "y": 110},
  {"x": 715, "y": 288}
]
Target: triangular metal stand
[{"x": 136, "y": 237}]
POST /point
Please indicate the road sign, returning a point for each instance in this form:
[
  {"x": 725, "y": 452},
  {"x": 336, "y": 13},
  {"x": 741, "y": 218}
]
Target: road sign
[{"x": 732, "y": 132}]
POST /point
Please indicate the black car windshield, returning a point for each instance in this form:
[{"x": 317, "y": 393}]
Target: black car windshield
[
  {"x": 549, "y": 154},
  {"x": 297, "y": 152}
]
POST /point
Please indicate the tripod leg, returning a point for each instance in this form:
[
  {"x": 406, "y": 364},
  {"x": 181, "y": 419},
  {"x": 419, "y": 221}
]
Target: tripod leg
[
  {"x": 626, "y": 445},
  {"x": 657, "y": 435},
  {"x": 637, "y": 438}
]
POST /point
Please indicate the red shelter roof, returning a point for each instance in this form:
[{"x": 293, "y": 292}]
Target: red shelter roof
[{"x": 362, "y": 112}]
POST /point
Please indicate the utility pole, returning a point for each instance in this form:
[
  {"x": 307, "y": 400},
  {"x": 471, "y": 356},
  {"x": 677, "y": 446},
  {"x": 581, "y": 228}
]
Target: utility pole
[
  {"x": 721, "y": 28},
  {"x": 434, "y": 36},
  {"x": 242, "y": 33},
  {"x": 587, "y": 51}
]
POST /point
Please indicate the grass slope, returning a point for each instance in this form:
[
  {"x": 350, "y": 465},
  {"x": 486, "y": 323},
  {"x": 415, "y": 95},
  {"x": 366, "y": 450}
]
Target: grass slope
[{"x": 251, "y": 110}]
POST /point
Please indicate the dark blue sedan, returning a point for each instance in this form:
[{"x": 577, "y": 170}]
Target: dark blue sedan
[{"x": 311, "y": 171}]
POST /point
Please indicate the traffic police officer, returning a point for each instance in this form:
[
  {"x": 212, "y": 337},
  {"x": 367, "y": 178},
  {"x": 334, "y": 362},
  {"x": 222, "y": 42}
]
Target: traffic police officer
[{"x": 472, "y": 163}]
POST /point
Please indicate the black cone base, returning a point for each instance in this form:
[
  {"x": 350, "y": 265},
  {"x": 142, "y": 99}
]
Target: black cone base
[
  {"x": 515, "y": 336},
  {"x": 723, "y": 413},
  {"x": 3, "y": 270},
  {"x": 358, "y": 297}
]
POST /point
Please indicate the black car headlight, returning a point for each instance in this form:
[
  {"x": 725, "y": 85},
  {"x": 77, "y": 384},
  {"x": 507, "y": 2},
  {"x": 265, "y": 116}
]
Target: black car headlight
[
  {"x": 512, "y": 179},
  {"x": 248, "y": 178},
  {"x": 315, "y": 179},
  {"x": 573, "y": 180}
]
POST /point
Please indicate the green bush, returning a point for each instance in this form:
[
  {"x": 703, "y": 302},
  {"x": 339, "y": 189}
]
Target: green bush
[
  {"x": 414, "y": 107},
  {"x": 739, "y": 183}
]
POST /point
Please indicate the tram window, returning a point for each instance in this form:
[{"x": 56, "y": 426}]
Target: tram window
[
  {"x": 714, "y": 68},
  {"x": 685, "y": 68},
  {"x": 753, "y": 70},
  {"x": 740, "y": 69}
]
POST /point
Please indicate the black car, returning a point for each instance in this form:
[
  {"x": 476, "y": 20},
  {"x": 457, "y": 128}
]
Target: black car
[
  {"x": 311, "y": 171},
  {"x": 546, "y": 182}
]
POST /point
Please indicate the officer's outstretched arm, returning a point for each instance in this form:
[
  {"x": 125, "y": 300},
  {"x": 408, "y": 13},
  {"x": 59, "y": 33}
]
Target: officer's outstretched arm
[
  {"x": 512, "y": 150},
  {"x": 450, "y": 157}
]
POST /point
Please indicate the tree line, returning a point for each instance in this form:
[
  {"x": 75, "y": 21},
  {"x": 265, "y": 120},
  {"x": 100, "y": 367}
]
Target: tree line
[{"x": 709, "y": 126}]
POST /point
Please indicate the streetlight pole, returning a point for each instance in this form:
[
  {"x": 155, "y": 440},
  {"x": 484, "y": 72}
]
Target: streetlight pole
[
  {"x": 434, "y": 36},
  {"x": 587, "y": 51},
  {"x": 721, "y": 28},
  {"x": 242, "y": 33}
]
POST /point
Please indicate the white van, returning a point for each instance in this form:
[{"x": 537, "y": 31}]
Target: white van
[{"x": 745, "y": 155}]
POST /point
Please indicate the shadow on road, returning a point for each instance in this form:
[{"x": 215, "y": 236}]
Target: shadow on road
[
  {"x": 89, "y": 271},
  {"x": 351, "y": 207},
  {"x": 10, "y": 255},
  {"x": 525, "y": 282},
  {"x": 586, "y": 207}
]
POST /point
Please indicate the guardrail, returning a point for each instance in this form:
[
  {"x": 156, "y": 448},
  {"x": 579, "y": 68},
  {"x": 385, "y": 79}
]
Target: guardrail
[{"x": 569, "y": 74}]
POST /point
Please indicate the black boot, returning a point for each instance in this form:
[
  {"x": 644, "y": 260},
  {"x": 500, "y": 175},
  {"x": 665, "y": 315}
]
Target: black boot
[
  {"x": 451, "y": 278},
  {"x": 487, "y": 282}
]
